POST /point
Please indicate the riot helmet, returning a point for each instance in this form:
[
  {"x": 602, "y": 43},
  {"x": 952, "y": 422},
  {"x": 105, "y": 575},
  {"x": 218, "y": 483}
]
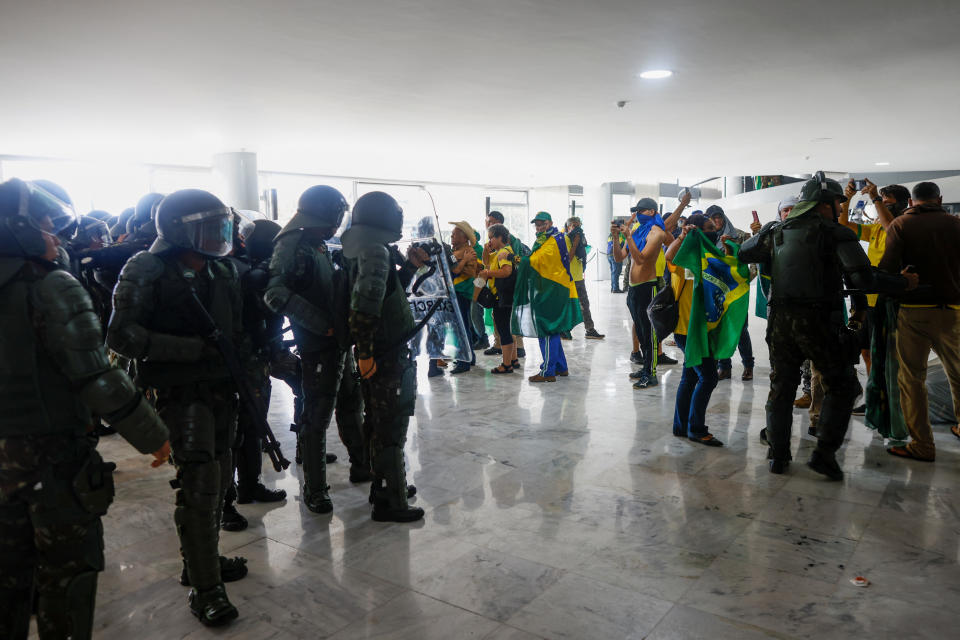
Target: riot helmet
[
  {"x": 27, "y": 212},
  {"x": 100, "y": 214},
  {"x": 258, "y": 238},
  {"x": 319, "y": 207},
  {"x": 120, "y": 226},
  {"x": 818, "y": 189},
  {"x": 376, "y": 219},
  {"x": 195, "y": 220},
  {"x": 91, "y": 231}
]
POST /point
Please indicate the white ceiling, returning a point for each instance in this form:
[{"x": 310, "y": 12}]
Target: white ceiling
[{"x": 487, "y": 91}]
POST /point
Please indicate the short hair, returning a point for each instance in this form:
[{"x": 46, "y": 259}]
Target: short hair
[
  {"x": 698, "y": 220},
  {"x": 898, "y": 192},
  {"x": 496, "y": 215},
  {"x": 499, "y": 231},
  {"x": 574, "y": 220},
  {"x": 926, "y": 191}
]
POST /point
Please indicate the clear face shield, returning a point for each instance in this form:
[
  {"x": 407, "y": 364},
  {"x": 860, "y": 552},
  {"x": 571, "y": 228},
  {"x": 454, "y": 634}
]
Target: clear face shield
[
  {"x": 209, "y": 232},
  {"x": 45, "y": 211}
]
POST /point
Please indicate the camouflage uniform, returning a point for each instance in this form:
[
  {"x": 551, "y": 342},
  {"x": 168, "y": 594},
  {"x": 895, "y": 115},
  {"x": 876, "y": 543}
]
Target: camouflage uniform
[{"x": 54, "y": 486}]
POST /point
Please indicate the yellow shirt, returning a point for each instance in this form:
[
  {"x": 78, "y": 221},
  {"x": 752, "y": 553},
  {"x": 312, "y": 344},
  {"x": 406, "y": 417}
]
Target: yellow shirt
[
  {"x": 683, "y": 294},
  {"x": 876, "y": 236},
  {"x": 497, "y": 261}
]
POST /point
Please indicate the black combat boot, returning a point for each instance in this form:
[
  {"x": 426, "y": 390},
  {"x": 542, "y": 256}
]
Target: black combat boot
[
  {"x": 390, "y": 491},
  {"x": 211, "y": 606},
  {"x": 258, "y": 493},
  {"x": 316, "y": 491},
  {"x": 825, "y": 464},
  {"x": 360, "y": 465},
  {"x": 231, "y": 570}
]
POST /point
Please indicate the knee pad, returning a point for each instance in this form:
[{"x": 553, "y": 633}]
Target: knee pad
[
  {"x": 197, "y": 437},
  {"x": 199, "y": 486}
]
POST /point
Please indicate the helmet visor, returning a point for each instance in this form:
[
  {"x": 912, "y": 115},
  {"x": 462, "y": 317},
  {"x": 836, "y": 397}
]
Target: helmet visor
[
  {"x": 210, "y": 232},
  {"x": 45, "y": 211}
]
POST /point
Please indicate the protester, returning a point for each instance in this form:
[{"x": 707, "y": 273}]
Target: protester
[
  {"x": 545, "y": 300},
  {"x": 615, "y": 267},
  {"x": 501, "y": 279},
  {"x": 745, "y": 347},
  {"x": 925, "y": 240},
  {"x": 519, "y": 250},
  {"x": 697, "y": 381},
  {"x": 464, "y": 271},
  {"x": 578, "y": 258},
  {"x": 888, "y": 207}
]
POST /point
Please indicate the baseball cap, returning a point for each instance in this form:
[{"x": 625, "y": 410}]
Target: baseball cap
[
  {"x": 714, "y": 210},
  {"x": 542, "y": 215},
  {"x": 645, "y": 204}
]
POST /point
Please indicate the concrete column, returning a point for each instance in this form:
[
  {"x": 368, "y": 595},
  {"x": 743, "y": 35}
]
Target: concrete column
[{"x": 235, "y": 174}]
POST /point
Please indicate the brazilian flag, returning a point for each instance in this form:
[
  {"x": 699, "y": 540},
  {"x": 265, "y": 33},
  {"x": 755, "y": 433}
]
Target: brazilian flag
[
  {"x": 545, "y": 298},
  {"x": 721, "y": 298}
]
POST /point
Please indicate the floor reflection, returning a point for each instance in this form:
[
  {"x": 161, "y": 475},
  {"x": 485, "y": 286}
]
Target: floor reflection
[{"x": 568, "y": 509}]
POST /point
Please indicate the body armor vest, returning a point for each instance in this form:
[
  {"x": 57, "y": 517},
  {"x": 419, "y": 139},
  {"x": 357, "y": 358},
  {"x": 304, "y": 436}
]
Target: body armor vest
[
  {"x": 806, "y": 271},
  {"x": 175, "y": 316},
  {"x": 35, "y": 397}
]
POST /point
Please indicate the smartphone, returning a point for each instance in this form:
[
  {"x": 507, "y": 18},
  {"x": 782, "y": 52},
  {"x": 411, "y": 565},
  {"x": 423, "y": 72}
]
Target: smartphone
[
  {"x": 859, "y": 184},
  {"x": 756, "y": 218}
]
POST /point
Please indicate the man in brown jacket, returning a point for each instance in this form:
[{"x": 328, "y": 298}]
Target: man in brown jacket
[{"x": 926, "y": 238}]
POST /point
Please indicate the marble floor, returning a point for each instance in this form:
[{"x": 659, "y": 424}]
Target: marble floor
[{"x": 568, "y": 510}]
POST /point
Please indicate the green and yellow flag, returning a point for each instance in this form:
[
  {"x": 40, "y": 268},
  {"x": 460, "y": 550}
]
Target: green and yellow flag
[
  {"x": 545, "y": 297},
  {"x": 721, "y": 298}
]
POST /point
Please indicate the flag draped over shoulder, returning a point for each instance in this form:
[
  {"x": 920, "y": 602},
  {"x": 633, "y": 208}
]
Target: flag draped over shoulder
[
  {"x": 545, "y": 297},
  {"x": 721, "y": 299}
]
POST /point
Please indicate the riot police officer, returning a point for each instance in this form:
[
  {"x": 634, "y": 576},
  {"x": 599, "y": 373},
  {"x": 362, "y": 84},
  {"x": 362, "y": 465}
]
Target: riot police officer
[
  {"x": 306, "y": 287},
  {"x": 380, "y": 324},
  {"x": 808, "y": 256},
  {"x": 264, "y": 328},
  {"x": 54, "y": 486},
  {"x": 156, "y": 322}
]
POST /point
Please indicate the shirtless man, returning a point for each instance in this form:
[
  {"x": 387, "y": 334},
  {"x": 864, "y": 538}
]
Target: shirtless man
[{"x": 644, "y": 244}]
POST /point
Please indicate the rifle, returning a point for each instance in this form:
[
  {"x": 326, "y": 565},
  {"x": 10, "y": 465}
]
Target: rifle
[{"x": 248, "y": 399}]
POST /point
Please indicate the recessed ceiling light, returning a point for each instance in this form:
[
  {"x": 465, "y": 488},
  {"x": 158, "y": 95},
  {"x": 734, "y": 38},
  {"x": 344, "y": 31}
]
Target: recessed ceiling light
[
  {"x": 656, "y": 74},
  {"x": 882, "y": 164}
]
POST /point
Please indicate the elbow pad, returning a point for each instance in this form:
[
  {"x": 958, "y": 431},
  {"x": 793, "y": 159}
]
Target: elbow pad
[
  {"x": 373, "y": 267},
  {"x": 114, "y": 397},
  {"x": 142, "y": 427}
]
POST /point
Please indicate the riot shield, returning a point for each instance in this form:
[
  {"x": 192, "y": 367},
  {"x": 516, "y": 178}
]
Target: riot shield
[{"x": 432, "y": 296}]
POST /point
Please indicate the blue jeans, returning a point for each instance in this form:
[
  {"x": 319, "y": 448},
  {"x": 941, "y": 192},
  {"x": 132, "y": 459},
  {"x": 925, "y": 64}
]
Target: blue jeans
[
  {"x": 616, "y": 268},
  {"x": 746, "y": 352},
  {"x": 554, "y": 361},
  {"x": 693, "y": 395},
  {"x": 464, "y": 303}
]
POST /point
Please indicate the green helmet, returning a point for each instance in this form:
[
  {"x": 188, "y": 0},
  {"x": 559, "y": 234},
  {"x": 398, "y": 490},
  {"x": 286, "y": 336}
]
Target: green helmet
[{"x": 816, "y": 190}]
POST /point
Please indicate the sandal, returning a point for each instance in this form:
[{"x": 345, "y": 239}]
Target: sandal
[
  {"x": 501, "y": 369},
  {"x": 516, "y": 365},
  {"x": 904, "y": 452},
  {"x": 955, "y": 430}
]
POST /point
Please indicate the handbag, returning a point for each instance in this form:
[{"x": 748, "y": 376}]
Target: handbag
[
  {"x": 664, "y": 311},
  {"x": 486, "y": 298}
]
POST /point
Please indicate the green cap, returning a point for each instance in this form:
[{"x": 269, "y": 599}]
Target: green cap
[{"x": 541, "y": 215}]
